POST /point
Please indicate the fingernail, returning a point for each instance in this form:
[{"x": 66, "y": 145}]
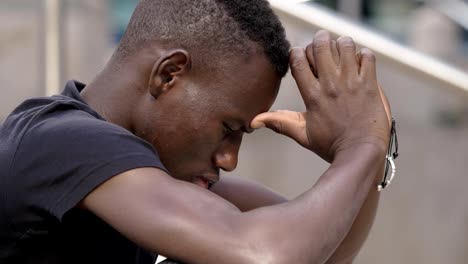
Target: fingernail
[
  {"x": 259, "y": 125},
  {"x": 296, "y": 51}
]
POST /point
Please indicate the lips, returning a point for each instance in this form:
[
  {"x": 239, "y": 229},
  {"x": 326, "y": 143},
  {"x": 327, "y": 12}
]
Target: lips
[{"x": 204, "y": 181}]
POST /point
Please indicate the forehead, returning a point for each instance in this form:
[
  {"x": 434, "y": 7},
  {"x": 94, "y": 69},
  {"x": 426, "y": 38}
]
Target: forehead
[
  {"x": 248, "y": 84},
  {"x": 253, "y": 76}
]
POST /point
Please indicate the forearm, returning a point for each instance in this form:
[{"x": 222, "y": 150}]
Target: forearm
[
  {"x": 310, "y": 228},
  {"x": 360, "y": 229},
  {"x": 248, "y": 195}
]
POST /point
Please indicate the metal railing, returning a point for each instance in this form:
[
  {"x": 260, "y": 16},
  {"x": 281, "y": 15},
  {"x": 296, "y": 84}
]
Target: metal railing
[{"x": 414, "y": 60}]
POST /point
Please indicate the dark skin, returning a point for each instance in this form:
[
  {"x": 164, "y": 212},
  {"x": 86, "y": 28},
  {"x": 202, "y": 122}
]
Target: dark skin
[{"x": 196, "y": 120}]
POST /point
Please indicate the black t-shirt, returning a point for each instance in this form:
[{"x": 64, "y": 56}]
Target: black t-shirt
[{"x": 53, "y": 152}]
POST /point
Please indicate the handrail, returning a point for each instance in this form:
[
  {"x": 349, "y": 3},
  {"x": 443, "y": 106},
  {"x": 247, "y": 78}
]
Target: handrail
[{"x": 321, "y": 18}]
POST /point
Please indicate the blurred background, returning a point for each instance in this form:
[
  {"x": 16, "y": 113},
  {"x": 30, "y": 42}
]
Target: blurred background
[{"x": 422, "y": 49}]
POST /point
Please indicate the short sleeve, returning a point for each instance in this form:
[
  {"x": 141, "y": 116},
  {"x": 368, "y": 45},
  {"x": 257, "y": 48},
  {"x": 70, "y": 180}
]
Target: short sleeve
[{"x": 63, "y": 157}]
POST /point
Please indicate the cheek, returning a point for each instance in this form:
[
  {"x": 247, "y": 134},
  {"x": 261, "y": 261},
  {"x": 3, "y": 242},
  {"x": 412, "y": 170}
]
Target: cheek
[
  {"x": 185, "y": 131},
  {"x": 187, "y": 152},
  {"x": 187, "y": 140},
  {"x": 199, "y": 140}
]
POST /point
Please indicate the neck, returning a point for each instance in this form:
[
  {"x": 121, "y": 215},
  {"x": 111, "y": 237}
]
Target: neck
[{"x": 114, "y": 93}]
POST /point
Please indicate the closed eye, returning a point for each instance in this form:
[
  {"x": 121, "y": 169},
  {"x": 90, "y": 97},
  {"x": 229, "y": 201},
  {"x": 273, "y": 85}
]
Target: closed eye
[{"x": 228, "y": 129}]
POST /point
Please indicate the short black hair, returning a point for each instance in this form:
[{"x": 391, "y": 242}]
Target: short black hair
[{"x": 210, "y": 29}]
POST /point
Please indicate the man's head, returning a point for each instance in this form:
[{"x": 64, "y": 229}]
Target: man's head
[
  {"x": 206, "y": 68},
  {"x": 213, "y": 31}
]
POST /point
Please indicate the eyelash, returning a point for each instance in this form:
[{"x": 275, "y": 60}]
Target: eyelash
[{"x": 228, "y": 129}]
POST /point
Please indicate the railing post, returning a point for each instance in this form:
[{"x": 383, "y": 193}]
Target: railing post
[{"x": 52, "y": 46}]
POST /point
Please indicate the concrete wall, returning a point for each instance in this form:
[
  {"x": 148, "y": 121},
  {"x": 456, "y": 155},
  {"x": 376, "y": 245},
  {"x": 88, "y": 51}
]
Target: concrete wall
[{"x": 20, "y": 53}]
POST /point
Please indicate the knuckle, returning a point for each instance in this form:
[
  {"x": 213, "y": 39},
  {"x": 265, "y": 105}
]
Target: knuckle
[
  {"x": 320, "y": 45},
  {"x": 299, "y": 64},
  {"x": 352, "y": 86},
  {"x": 333, "y": 93},
  {"x": 330, "y": 88},
  {"x": 295, "y": 53},
  {"x": 312, "y": 101},
  {"x": 367, "y": 54},
  {"x": 346, "y": 43},
  {"x": 278, "y": 127}
]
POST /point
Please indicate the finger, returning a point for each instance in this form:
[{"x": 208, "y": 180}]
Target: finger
[
  {"x": 288, "y": 123},
  {"x": 311, "y": 59},
  {"x": 347, "y": 51},
  {"x": 335, "y": 53},
  {"x": 368, "y": 66},
  {"x": 325, "y": 64},
  {"x": 305, "y": 79},
  {"x": 383, "y": 97}
]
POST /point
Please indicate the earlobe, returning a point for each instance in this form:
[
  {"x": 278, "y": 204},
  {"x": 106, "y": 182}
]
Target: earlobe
[{"x": 167, "y": 70}]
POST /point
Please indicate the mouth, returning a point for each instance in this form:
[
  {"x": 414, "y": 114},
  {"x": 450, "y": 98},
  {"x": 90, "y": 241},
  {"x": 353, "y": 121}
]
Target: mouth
[{"x": 205, "y": 181}]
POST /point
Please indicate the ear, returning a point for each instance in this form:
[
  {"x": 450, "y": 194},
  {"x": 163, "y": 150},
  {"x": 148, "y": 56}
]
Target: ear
[{"x": 167, "y": 70}]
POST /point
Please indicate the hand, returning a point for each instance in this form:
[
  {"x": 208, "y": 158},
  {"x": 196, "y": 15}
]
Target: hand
[{"x": 344, "y": 104}]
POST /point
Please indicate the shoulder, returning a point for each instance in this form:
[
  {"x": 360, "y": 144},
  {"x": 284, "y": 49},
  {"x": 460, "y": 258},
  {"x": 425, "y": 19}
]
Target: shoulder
[
  {"x": 79, "y": 139},
  {"x": 45, "y": 115},
  {"x": 64, "y": 156},
  {"x": 63, "y": 124}
]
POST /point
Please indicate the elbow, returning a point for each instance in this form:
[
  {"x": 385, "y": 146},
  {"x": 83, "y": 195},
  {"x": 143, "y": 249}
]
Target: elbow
[
  {"x": 279, "y": 256},
  {"x": 273, "y": 251},
  {"x": 340, "y": 262},
  {"x": 269, "y": 250},
  {"x": 270, "y": 257},
  {"x": 346, "y": 260},
  {"x": 269, "y": 245},
  {"x": 261, "y": 249}
]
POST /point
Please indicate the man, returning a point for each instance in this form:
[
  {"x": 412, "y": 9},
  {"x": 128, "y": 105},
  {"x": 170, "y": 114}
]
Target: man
[{"x": 128, "y": 165}]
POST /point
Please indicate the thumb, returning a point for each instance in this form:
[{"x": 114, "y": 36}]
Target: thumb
[{"x": 289, "y": 123}]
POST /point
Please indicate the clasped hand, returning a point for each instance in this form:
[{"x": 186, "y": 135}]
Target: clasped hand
[{"x": 344, "y": 104}]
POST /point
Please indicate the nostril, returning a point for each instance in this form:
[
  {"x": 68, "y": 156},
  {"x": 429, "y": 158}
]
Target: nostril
[{"x": 226, "y": 162}]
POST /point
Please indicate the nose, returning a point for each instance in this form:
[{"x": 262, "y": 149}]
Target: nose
[{"x": 226, "y": 156}]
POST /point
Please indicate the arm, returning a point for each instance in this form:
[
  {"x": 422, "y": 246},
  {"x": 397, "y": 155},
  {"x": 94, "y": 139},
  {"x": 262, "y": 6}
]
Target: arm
[
  {"x": 359, "y": 231},
  {"x": 354, "y": 240},
  {"x": 185, "y": 222},
  {"x": 246, "y": 194}
]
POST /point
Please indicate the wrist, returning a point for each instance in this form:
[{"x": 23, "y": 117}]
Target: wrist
[
  {"x": 367, "y": 151},
  {"x": 372, "y": 145}
]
